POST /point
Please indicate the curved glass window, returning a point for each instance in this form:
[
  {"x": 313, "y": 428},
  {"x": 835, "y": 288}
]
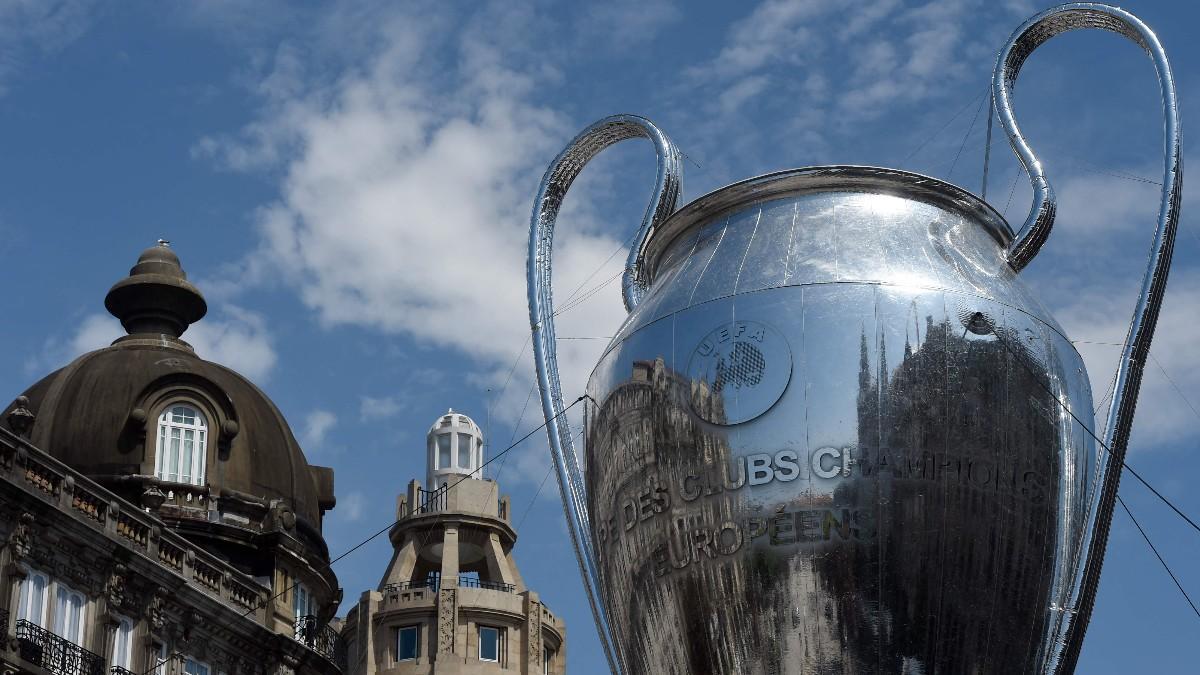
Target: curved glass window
[
  {"x": 182, "y": 445},
  {"x": 443, "y": 444},
  {"x": 464, "y": 451}
]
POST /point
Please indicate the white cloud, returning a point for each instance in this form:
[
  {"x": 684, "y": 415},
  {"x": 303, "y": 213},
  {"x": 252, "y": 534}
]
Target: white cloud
[
  {"x": 824, "y": 70},
  {"x": 378, "y": 408},
  {"x": 1102, "y": 236},
  {"x": 38, "y": 27},
  {"x": 406, "y": 193},
  {"x": 1170, "y": 389},
  {"x": 238, "y": 340},
  {"x": 317, "y": 424},
  {"x": 96, "y": 331},
  {"x": 351, "y": 507},
  {"x": 622, "y": 24}
]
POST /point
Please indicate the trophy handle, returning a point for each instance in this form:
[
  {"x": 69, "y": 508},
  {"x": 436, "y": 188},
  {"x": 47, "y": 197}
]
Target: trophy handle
[
  {"x": 1032, "y": 34},
  {"x": 555, "y": 183}
]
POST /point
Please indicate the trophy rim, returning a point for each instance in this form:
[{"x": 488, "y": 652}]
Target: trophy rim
[{"x": 825, "y": 178}]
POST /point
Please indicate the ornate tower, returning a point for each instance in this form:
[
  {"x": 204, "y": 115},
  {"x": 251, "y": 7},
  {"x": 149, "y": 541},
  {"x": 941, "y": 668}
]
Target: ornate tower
[
  {"x": 455, "y": 449},
  {"x": 156, "y": 512},
  {"x": 451, "y": 600}
]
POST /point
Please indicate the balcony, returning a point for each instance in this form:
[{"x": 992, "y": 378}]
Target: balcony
[
  {"x": 40, "y": 647},
  {"x": 118, "y": 670},
  {"x": 431, "y": 583},
  {"x": 322, "y": 639},
  {"x": 471, "y": 582}
]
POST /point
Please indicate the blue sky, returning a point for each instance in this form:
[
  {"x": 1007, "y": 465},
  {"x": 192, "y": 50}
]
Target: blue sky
[{"x": 350, "y": 184}]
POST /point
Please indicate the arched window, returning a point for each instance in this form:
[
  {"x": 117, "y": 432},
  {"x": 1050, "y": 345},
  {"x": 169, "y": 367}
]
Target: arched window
[{"x": 182, "y": 445}]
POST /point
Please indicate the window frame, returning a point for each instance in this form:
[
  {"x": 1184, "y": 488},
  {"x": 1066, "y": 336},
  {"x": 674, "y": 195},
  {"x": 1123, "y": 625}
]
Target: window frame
[
  {"x": 164, "y": 424},
  {"x": 24, "y": 598},
  {"x": 303, "y": 602},
  {"x": 465, "y": 456},
  {"x": 448, "y": 458},
  {"x": 205, "y": 667},
  {"x": 122, "y": 647},
  {"x": 161, "y": 658},
  {"x": 499, "y": 643},
  {"x": 416, "y": 632},
  {"x": 63, "y": 594}
]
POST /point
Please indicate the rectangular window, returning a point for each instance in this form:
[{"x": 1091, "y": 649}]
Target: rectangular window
[
  {"x": 160, "y": 457},
  {"x": 490, "y": 643},
  {"x": 123, "y": 643},
  {"x": 302, "y": 601},
  {"x": 31, "y": 605},
  {"x": 193, "y": 667},
  {"x": 173, "y": 469},
  {"x": 443, "y": 442},
  {"x": 189, "y": 443},
  {"x": 160, "y": 659},
  {"x": 464, "y": 450},
  {"x": 68, "y": 614},
  {"x": 408, "y": 643}
]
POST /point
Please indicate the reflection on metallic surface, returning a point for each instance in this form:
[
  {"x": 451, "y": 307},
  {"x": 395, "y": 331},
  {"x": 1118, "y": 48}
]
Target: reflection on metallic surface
[
  {"x": 555, "y": 183},
  {"x": 913, "y": 500},
  {"x": 838, "y": 434}
]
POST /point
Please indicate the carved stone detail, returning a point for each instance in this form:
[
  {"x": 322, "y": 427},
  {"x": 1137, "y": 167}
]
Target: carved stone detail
[
  {"x": 447, "y": 620},
  {"x": 533, "y": 629},
  {"x": 156, "y": 610},
  {"x": 191, "y": 619},
  {"x": 115, "y": 589},
  {"x": 20, "y": 418},
  {"x": 20, "y": 541}
]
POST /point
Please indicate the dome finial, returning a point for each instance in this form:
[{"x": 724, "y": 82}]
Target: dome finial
[{"x": 156, "y": 298}]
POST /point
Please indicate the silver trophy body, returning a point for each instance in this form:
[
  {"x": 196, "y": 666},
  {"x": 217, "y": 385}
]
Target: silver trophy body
[{"x": 837, "y": 433}]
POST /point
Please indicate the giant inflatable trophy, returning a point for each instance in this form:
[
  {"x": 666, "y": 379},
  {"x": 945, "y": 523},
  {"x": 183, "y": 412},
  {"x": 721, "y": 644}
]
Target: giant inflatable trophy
[{"x": 837, "y": 433}]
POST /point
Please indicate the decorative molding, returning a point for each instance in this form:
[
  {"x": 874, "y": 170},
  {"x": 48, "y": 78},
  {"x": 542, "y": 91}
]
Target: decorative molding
[
  {"x": 21, "y": 418},
  {"x": 116, "y": 587},
  {"x": 156, "y": 610},
  {"x": 20, "y": 540},
  {"x": 533, "y": 630},
  {"x": 447, "y": 618}
]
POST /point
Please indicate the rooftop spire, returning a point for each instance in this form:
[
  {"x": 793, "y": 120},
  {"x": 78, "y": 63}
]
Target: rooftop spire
[{"x": 156, "y": 297}]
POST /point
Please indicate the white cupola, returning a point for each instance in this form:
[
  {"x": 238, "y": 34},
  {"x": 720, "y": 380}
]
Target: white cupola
[{"x": 455, "y": 445}]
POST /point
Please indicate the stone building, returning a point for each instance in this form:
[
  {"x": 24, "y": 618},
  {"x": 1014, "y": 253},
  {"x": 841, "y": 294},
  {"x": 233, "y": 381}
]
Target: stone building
[
  {"x": 452, "y": 601},
  {"x": 156, "y": 513}
]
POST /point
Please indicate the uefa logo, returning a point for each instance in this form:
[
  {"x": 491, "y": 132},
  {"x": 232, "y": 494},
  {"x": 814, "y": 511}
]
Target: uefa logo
[{"x": 738, "y": 371}]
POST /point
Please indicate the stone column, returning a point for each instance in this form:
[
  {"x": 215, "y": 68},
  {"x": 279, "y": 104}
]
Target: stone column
[
  {"x": 450, "y": 556},
  {"x": 498, "y": 564},
  {"x": 447, "y": 608}
]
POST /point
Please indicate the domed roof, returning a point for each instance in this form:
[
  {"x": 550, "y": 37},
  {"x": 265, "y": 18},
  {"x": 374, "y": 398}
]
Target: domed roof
[
  {"x": 100, "y": 413},
  {"x": 456, "y": 421}
]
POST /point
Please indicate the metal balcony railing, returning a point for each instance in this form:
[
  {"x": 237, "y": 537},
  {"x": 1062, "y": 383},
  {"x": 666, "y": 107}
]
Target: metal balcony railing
[
  {"x": 322, "y": 639},
  {"x": 471, "y": 582},
  {"x": 118, "y": 670},
  {"x": 432, "y": 501},
  {"x": 59, "y": 656},
  {"x": 431, "y": 584}
]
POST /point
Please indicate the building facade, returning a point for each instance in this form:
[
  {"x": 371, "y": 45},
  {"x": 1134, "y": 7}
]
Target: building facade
[
  {"x": 157, "y": 515},
  {"x": 451, "y": 601}
]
